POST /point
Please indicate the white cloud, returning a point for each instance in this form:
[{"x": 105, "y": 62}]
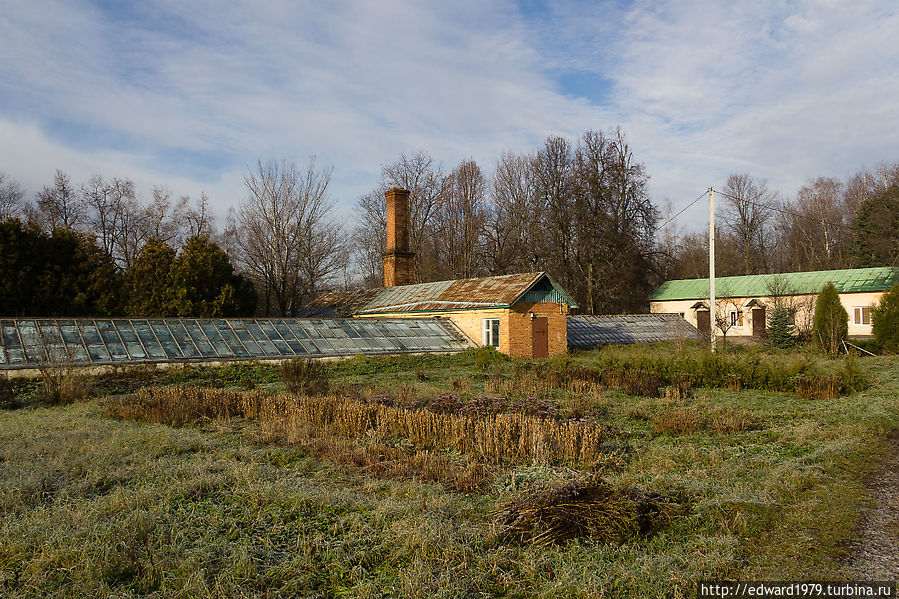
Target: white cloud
[{"x": 189, "y": 93}]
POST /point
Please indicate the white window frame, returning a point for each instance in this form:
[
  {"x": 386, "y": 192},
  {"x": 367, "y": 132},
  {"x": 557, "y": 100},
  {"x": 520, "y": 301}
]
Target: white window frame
[
  {"x": 736, "y": 319},
  {"x": 858, "y": 315},
  {"x": 490, "y": 331}
]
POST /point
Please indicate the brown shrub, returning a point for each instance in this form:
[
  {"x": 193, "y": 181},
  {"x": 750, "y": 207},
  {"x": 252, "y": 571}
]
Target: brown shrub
[
  {"x": 818, "y": 387},
  {"x": 305, "y": 376},
  {"x": 681, "y": 386}
]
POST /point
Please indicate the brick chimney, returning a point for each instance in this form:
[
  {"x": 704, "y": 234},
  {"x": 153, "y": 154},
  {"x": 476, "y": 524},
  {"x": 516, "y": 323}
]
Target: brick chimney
[{"x": 398, "y": 260}]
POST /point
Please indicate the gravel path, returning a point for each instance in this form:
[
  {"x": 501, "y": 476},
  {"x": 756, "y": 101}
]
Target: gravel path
[{"x": 876, "y": 554}]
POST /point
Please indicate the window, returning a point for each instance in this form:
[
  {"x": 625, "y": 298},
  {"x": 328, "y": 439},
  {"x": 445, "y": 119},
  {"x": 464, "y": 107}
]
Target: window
[
  {"x": 490, "y": 331},
  {"x": 736, "y": 318},
  {"x": 862, "y": 314}
]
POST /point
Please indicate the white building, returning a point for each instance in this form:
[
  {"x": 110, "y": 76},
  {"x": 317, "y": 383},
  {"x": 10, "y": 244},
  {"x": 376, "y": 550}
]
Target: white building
[{"x": 745, "y": 302}]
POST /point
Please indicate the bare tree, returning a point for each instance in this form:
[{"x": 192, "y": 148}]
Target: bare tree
[
  {"x": 198, "y": 220},
  {"x": 164, "y": 219},
  {"x": 511, "y": 235},
  {"x": 284, "y": 235},
  {"x": 554, "y": 175},
  {"x": 424, "y": 179},
  {"x": 58, "y": 205},
  {"x": 821, "y": 224},
  {"x": 614, "y": 225},
  {"x": 746, "y": 213},
  {"x": 461, "y": 219},
  {"x": 107, "y": 204},
  {"x": 11, "y": 195}
]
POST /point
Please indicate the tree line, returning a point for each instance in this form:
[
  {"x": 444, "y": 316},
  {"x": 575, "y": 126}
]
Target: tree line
[
  {"x": 828, "y": 224},
  {"x": 576, "y": 208}
]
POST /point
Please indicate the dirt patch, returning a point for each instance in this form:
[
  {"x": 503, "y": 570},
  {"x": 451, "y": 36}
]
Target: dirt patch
[{"x": 875, "y": 555}]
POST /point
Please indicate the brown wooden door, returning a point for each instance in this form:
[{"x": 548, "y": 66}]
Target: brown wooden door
[
  {"x": 703, "y": 323},
  {"x": 758, "y": 323},
  {"x": 540, "y": 336}
]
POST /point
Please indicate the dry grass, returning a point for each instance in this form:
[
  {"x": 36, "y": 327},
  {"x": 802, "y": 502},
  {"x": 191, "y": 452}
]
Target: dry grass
[{"x": 500, "y": 438}]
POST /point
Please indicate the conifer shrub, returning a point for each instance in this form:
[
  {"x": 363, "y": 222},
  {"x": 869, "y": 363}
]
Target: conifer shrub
[
  {"x": 781, "y": 330},
  {"x": 885, "y": 321},
  {"x": 831, "y": 322}
]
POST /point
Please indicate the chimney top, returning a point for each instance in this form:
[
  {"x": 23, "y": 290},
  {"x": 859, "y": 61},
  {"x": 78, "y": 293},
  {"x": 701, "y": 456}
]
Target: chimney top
[{"x": 398, "y": 259}]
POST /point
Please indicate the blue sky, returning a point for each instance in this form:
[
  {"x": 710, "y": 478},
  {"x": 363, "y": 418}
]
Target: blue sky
[{"x": 188, "y": 93}]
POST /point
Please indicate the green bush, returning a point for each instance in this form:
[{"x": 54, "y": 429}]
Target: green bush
[
  {"x": 306, "y": 377},
  {"x": 781, "y": 330},
  {"x": 885, "y": 320},
  {"x": 831, "y": 322},
  {"x": 487, "y": 356}
]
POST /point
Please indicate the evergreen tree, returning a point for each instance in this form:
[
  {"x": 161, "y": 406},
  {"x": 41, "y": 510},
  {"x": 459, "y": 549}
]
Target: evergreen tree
[
  {"x": 148, "y": 280},
  {"x": 202, "y": 283},
  {"x": 19, "y": 267},
  {"x": 781, "y": 330},
  {"x": 876, "y": 230},
  {"x": 79, "y": 278},
  {"x": 885, "y": 320},
  {"x": 63, "y": 274},
  {"x": 831, "y": 322}
]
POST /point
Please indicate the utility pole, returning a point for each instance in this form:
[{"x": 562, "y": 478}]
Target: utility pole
[{"x": 712, "y": 311}]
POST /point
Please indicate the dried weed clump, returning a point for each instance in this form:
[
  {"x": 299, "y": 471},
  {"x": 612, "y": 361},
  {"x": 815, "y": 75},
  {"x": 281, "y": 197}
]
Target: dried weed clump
[{"x": 583, "y": 508}]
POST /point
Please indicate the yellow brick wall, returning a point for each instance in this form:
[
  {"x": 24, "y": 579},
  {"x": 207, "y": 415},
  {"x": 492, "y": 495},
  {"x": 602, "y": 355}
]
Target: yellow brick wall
[{"x": 514, "y": 325}]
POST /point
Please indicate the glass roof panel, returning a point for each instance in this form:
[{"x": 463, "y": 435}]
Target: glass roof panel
[
  {"x": 162, "y": 331},
  {"x": 89, "y": 333},
  {"x": 125, "y": 330},
  {"x": 98, "y": 352},
  {"x": 14, "y": 356},
  {"x": 297, "y": 329},
  {"x": 135, "y": 350}
]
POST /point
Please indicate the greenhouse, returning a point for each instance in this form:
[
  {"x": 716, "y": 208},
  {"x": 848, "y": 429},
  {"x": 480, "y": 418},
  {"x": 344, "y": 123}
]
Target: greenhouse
[{"x": 33, "y": 343}]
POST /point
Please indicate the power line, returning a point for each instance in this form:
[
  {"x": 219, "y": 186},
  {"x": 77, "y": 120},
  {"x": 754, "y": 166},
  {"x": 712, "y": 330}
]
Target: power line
[{"x": 668, "y": 220}]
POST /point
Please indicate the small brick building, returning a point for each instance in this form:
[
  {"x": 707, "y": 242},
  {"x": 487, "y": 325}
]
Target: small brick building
[{"x": 522, "y": 315}]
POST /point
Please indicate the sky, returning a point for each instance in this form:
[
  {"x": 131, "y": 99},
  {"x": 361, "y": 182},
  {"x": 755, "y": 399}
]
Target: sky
[{"x": 191, "y": 93}]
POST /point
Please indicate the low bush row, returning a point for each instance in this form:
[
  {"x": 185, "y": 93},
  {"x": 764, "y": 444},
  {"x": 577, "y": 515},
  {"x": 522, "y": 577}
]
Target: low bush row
[{"x": 639, "y": 371}]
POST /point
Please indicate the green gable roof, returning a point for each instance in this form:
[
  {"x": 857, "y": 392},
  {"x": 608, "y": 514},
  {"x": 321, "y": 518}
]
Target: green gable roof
[{"x": 846, "y": 281}]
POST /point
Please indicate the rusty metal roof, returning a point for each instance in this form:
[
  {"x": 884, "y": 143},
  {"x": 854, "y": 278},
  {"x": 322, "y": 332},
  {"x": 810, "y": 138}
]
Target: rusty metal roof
[{"x": 461, "y": 294}]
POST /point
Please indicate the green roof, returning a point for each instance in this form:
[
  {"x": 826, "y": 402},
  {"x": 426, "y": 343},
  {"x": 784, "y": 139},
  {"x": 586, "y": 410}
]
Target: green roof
[{"x": 849, "y": 280}]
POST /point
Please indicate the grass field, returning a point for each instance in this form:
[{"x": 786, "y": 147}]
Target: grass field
[{"x": 100, "y": 501}]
